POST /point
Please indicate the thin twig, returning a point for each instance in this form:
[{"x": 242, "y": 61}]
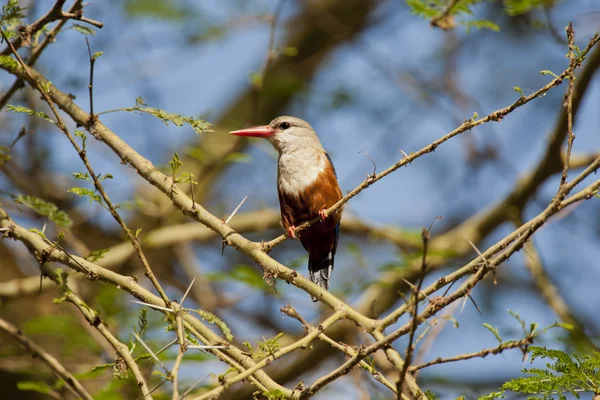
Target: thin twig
[
  {"x": 482, "y": 353},
  {"x": 91, "y": 83},
  {"x": 569, "y": 106},
  {"x": 82, "y": 155},
  {"x": 47, "y": 358},
  {"x": 425, "y": 236}
]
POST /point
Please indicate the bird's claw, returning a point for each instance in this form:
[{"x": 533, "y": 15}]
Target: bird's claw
[
  {"x": 291, "y": 232},
  {"x": 322, "y": 214}
]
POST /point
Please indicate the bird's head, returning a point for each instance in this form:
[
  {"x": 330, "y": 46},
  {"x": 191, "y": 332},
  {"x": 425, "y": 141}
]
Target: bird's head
[{"x": 285, "y": 134}]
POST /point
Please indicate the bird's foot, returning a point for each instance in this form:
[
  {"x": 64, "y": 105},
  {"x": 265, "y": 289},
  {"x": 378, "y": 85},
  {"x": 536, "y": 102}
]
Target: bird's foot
[
  {"x": 290, "y": 232},
  {"x": 322, "y": 214}
]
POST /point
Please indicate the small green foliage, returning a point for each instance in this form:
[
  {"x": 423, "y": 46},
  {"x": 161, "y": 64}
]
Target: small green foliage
[
  {"x": 81, "y": 192},
  {"x": 105, "y": 176},
  {"x": 269, "y": 346},
  {"x": 138, "y": 231},
  {"x": 46, "y": 209},
  {"x": 196, "y": 153},
  {"x": 430, "y": 395},
  {"x": 36, "y": 386},
  {"x": 290, "y": 51},
  {"x": 229, "y": 370},
  {"x": 31, "y": 113},
  {"x": 97, "y": 54},
  {"x": 140, "y": 330},
  {"x": 12, "y": 13},
  {"x": 519, "y": 7},
  {"x": 275, "y": 394},
  {"x": 186, "y": 177},
  {"x": 9, "y": 63},
  {"x": 38, "y": 232},
  {"x": 83, "y": 137},
  {"x": 494, "y": 330},
  {"x": 61, "y": 278},
  {"x": 422, "y": 8},
  {"x": 96, "y": 255},
  {"x": 199, "y": 126},
  {"x": 159, "y": 9},
  {"x": 475, "y": 115},
  {"x": 518, "y": 90},
  {"x": 248, "y": 346},
  {"x": 237, "y": 158},
  {"x": 175, "y": 163},
  {"x": 84, "y": 30},
  {"x": 243, "y": 273},
  {"x": 443, "y": 13},
  {"x": 481, "y": 24},
  {"x": 548, "y": 72},
  {"x": 84, "y": 176},
  {"x": 213, "y": 319},
  {"x": 256, "y": 80},
  {"x": 563, "y": 374},
  {"x": 45, "y": 86},
  {"x": 492, "y": 396}
]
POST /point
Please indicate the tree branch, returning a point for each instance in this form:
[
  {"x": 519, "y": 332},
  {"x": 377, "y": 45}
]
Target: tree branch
[{"x": 36, "y": 351}]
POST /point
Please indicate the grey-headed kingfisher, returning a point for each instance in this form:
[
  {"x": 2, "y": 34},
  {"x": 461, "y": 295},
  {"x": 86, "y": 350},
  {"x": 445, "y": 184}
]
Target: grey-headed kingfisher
[{"x": 307, "y": 185}]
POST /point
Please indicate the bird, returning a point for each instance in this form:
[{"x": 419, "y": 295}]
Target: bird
[{"x": 307, "y": 185}]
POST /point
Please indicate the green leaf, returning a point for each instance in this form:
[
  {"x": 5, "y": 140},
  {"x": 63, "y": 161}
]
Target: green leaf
[
  {"x": 105, "y": 176},
  {"x": 175, "y": 163},
  {"x": 9, "y": 63},
  {"x": 290, "y": 51},
  {"x": 12, "y": 14},
  {"x": 548, "y": 72},
  {"x": 158, "y": 9},
  {"x": 518, "y": 90},
  {"x": 25, "y": 110},
  {"x": 186, "y": 177},
  {"x": 81, "y": 192},
  {"x": 564, "y": 374},
  {"x": 213, "y": 319},
  {"x": 82, "y": 175},
  {"x": 481, "y": 24},
  {"x": 269, "y": 346},
  {"x": 38, "y": 232},
  {"x": 82, "y": 136},
  {"x": 518, "y": 318},
  {"x": 237, "y": 158},
  {"x": 97, "y": 54},
  {"x": 46, "y": 209},
  {"x": 256, "y": 80},
  {"x": 422, "y": 8},
  {"x": 248, "y": 275},
  {"x": 199, "y": 126},
  {"x": 493, "y": 330},
  {"x": 96, "y": 255},
  {"x": 519, "y": 7},
  {"x": 35, "y": 386},
  {"x": 83, "y": 29}
]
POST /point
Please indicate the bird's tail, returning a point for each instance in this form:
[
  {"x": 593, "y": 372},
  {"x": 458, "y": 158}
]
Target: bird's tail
[{"x": 319, "y": 272}]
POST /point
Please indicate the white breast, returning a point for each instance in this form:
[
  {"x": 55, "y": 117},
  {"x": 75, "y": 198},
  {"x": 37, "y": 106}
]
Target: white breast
[{"x": 299, "y": 169}]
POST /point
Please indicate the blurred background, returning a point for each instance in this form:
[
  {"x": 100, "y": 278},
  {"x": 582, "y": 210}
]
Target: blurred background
[{"x": 373, "y": 78}]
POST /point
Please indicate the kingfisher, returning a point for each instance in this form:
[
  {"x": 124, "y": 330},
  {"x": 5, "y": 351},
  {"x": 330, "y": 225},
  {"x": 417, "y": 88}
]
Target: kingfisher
[{"x": 307, "y": 185}]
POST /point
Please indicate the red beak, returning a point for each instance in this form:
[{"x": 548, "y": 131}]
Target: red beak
[{"x": 256, "y": 131}]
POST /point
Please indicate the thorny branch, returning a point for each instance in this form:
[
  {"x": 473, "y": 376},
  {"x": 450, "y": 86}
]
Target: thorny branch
[
  {"x": 493, "y": 257},
  {"x": 82, "y": 154},
  {"x": 37, "y": 351}
]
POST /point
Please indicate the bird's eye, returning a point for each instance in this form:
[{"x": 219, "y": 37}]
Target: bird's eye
[{"x": 284, "y": 125}]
